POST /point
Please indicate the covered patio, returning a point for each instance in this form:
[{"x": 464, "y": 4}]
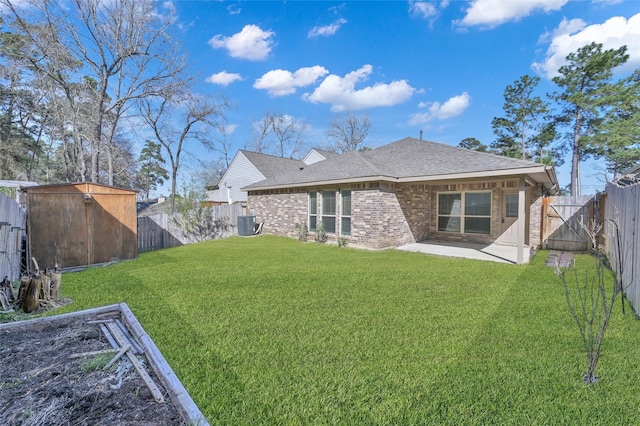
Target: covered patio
[{"x": 489, "y": 252}]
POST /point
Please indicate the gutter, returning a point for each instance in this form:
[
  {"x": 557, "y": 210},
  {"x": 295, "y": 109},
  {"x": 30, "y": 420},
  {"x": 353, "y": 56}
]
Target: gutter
[{"x": 442, "y": 177}]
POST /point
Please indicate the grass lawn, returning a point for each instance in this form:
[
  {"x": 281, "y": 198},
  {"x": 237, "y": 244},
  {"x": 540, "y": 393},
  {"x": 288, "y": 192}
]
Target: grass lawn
[{"x": 269, "y": 330}]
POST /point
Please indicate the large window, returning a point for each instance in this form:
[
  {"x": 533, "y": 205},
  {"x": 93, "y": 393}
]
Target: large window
[
  {"x": 329, "y": 211},
  {"x": 345, "y": 214},
  {"x": 313, "y": 211},
  {"x": 468, "y": 212}
]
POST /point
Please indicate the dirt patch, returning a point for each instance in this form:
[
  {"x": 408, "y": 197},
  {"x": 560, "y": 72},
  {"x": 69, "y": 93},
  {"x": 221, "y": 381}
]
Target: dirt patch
[{"x": 42, "y": 384}]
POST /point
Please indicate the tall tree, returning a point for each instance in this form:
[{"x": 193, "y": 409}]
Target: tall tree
[
  {"x": 585, "y": 82},
  {"x": 151, "y": 173},
  {"x": 473, "y": 144},
  {"x": 524, "y": 113},
  {"x": 279, "y": 134},
  {"x": 617, "y": 138},
  {"x": 348, "y": 132},
  {"x": 122, "y": 46},
  {"x": 179, "y": 118},
  {"x": 20, "y": 144}
]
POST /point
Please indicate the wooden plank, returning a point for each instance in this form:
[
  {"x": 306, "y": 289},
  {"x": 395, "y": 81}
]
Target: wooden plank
[
  {"x": 117, "y": 334},
  {"x": 88, "y": 313},
  {"x": 121, "y": 352},
  {"x": 83, "y": 354},
  {"x": 163, "y": 370}
]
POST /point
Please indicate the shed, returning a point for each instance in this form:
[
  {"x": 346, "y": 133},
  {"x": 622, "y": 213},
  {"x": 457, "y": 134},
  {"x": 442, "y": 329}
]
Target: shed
[{"x": 82, "y": 223}]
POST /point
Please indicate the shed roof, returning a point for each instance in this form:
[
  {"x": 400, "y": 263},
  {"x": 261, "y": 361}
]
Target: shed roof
[
  {"x": 79, "y": 186},
  {"x": 406, "y": 160}
]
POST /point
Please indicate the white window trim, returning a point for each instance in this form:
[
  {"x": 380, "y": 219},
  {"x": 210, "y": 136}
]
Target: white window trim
[
  {"x": 335, "y": 214},
  {"x": 342, "y": 215},
  {"x": 462, "y": 215},
  {"x": 309, "y": 214}
]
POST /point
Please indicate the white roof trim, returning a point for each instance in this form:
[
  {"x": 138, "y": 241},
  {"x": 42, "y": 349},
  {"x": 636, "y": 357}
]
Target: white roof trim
[{"x": 454, "y": 176}]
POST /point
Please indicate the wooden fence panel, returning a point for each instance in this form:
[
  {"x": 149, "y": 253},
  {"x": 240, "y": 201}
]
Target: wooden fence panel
[
  {"x": 13, "y": 222},
  {"x": 161, "y": 231},
  {"x": 622, "y": 207},
  {"x": 564, "y": 217}
]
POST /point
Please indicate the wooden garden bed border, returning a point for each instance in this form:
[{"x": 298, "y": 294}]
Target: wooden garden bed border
[{"x": 179, "y": 395}]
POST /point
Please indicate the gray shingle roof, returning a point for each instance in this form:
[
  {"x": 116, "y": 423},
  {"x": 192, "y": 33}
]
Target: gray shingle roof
[
  {"x": 270, "y": 165},
  {"x": 406, "y": 158}
]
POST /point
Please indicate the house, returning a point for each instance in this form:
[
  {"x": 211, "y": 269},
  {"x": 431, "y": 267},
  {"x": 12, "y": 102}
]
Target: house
[
  {"x": 77, "y": 224},
  {"x": 409, "y": 191},
  {"x": 249, "y": 167}
]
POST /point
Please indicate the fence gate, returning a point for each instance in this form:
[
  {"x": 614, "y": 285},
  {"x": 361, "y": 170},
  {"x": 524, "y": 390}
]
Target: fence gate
[
  {"x": 563, "y": 221},
  {"x": 12, "y": 234}
]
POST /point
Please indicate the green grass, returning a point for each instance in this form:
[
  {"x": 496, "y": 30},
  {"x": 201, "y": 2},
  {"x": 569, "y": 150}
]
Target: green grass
[{"x": 270, "y": 330}]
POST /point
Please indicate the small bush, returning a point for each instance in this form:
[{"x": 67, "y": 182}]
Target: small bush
[
  {"x": 321, "y": 233},
  {"x": 301, "y": 230}
]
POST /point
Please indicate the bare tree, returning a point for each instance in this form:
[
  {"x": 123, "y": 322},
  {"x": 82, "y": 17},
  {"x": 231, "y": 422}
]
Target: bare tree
[
  {"x": 180, "y": 118},
  {"x": 123, "y": 48},
  {"x": 591, "y": 300},
  {"x": 279, "y": 134},
  {"x": 348, "y": 132}
]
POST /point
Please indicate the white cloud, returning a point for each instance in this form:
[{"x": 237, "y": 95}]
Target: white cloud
[
  {"x": 230, "y": 128},
  {"x": 423, "y": 9},
  {"x": 233, "y": 9},
  {"x": 282, "y": 82},
  {"x": 437, "y": 111},
  {"x": 251, "y": 43},
  {"x": 491, "y": 13},
  {"x": 327, "y": 30},
  {"x": 571, "y": 35},
  {"x": 223, "y": 78},
  {"x": 342, "y": 94}
]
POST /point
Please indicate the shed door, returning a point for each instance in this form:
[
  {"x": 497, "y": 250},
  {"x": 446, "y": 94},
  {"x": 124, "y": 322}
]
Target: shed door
[{"x": 509, "y": 218}]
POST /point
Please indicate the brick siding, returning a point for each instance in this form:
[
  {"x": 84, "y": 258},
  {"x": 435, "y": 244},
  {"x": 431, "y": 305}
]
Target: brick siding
[{"x": 392, "y": 216}]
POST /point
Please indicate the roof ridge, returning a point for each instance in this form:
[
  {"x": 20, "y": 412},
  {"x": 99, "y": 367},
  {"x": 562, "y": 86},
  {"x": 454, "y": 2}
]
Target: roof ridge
[{"x": 473, "y": 150}]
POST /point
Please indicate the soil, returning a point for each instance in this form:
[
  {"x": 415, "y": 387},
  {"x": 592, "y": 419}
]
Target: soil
[{"x": 41, "y": 384}]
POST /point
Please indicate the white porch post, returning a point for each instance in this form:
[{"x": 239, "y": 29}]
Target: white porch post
[{"x": 522, "y": 220}]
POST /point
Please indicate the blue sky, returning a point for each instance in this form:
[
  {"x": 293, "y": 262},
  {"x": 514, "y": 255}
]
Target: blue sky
[{"x": 436, "y": 66}]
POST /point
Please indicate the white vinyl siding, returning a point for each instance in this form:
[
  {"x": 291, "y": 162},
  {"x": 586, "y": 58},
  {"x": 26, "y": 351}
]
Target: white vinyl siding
[{"x": 241, "y": 173}]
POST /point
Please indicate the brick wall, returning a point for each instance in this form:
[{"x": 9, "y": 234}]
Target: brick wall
[
  {"x": 377, "y": 220},
  {"x": 279, "y": 212},
  {"x": 535, "y": 216},
  {"x": 390, "y": 217}
]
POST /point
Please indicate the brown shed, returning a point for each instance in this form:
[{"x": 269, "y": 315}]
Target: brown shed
[{"x": 83, "y": 223}]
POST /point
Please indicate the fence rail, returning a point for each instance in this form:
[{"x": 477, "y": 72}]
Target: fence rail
[
  {"x": 157, "y": 231},
  {"x": 622, "y": 207},
  {"x": 13, "y": 222}
]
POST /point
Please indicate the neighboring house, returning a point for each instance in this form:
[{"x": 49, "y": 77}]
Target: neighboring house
[
  {"x": 249, "y": 167},
  {"x": 409, "y": 191},
  {"x": 629, "y": 177}
]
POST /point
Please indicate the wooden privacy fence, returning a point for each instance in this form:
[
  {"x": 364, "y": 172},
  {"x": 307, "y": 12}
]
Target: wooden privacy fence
[
  {"x": 13, "y": 222},
  {"x": 621, "y": 210},
  {"x": 161, "y": 230},
  {"x": 563, "y": 221}
]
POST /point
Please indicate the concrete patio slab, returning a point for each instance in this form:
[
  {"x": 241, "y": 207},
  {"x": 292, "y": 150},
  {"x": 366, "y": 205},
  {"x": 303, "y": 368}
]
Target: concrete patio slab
[{"x": 491, "y": 252}]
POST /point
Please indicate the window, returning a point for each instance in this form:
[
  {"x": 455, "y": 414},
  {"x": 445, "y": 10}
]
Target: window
[
  {"x": 313, "y": 211},
  {"x": 329, "y": 211},
  {"x": 512, "y": 205},
  {"x": 345, "y": 214},
  {"x": 468, "y": 212}
]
